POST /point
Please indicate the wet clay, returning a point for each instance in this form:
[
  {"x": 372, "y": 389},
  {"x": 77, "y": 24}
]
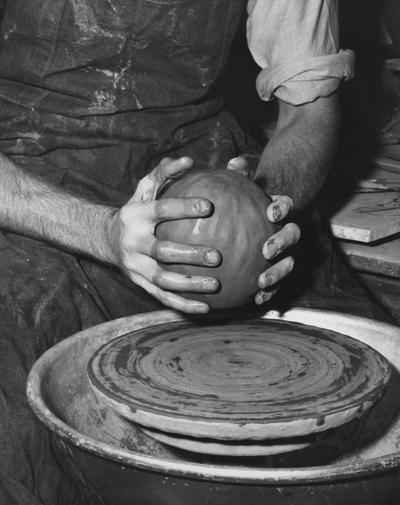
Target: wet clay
[{"x": 238, "y": 380}]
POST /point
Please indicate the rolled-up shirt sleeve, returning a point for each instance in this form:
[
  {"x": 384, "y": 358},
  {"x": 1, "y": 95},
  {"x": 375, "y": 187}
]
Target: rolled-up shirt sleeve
[{"x": 296, "y": 43}]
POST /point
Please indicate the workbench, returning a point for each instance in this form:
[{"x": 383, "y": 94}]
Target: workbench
[{"x": 367, "y": 228}]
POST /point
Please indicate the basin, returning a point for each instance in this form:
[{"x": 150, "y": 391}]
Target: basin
[{"x": 355, "y": 464}]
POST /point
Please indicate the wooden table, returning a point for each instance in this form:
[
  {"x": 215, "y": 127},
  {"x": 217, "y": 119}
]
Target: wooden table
[
  {"x": 378, "y": 266},
  {"x": 381, "y": 258},
  {"x": 371, "y": 241},
  {"x": 373, "y": 212}
]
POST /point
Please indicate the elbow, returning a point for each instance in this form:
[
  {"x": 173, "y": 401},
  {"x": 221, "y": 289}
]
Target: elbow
[{"x": 323, "y": 112}]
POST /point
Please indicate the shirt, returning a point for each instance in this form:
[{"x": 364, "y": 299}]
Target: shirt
[{"x": 296, "y": 43}]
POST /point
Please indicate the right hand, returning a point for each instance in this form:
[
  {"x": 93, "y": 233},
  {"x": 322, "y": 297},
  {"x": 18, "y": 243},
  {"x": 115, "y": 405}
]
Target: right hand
[
  {"x": 136, "y": 250},
  {"x": 279, "y": 245}
]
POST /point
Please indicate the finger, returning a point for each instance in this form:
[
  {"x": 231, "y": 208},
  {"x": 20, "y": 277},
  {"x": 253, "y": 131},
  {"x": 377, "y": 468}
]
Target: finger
[
  {"x": 172, "y": 281},
  {"x": 180, "y": 208},
  {"x": 280, "y": 208},
  {"x": 274, "y": 274},
  {"x": 167, "y": 169},
  {"x": 170, "y": 168},
  {"x": 238, "y": 164},
  {"x": 146, "y": 190},
  {"x": 287, "y": 237},
  {"x": 173, "y": 252},
  {"x": 264, "y": 296},
  {"x": 172, "y": 300},
  {"x": 150, "y": 270}
]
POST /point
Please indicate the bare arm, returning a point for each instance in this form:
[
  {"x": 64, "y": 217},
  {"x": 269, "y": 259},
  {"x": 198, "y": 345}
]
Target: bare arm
[
  {"x": 33, "y": 207},
  {"x": 123, "y": 237},
  {"x": 296, "y": 160},
  {"x": 294, "y": 163}
]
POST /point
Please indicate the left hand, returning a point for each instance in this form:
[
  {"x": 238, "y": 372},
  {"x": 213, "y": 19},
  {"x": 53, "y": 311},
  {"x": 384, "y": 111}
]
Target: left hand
[
  {"x": 136, "y": 250},
  {"x": 277, "y": 244}
]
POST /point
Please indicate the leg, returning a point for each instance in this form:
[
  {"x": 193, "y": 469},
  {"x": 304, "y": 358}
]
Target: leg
[{"x": 44, "y": 297}]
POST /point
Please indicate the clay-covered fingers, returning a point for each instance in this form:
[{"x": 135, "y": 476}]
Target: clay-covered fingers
[
  {"x": 168, "y": 209},
  {"x": 238, "y": 164},
  {"x": 167, "y": 169},
  {"x": 280, "y": 208},
  {"x": 282, "y": 240},
  {"x": 245, "y": 164},
  {"x": 170, "y": 168},
  {"x": 171, "y": 281},
  {"x": 169, "y": 299},
  {"x": 166, "y": 285},
  {"x": 146, "y": 215},
  {"x": 268, "y": 281},
  {"x": 275, "y": 273},
  {"x": 277, "y": 246},
  {"x": 174, "y": 252}
]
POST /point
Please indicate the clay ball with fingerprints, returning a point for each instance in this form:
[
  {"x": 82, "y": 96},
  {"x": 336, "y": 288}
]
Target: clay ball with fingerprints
[{"x": 237, "y": 226}]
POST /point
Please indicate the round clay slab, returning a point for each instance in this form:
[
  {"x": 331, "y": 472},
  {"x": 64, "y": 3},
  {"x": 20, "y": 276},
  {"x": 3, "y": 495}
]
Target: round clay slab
[{"x": 238, "y": 379}]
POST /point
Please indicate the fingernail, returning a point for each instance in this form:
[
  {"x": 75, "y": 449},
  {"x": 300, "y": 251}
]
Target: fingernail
[
  {"x": 270, "y": 249},
  {"x": 261, "y": 298},
  {"x": 210, "y": 284},
  {"x": 235, "y": 163},
  {"x": 212, "y": 257},
  {"x": 185, "y": 160},
  {"x": 265, "y": 281},
  {"x": 200, "y": 309},
  {"x": 276, "y": 213},
  {"x": 202, "y": 206}
]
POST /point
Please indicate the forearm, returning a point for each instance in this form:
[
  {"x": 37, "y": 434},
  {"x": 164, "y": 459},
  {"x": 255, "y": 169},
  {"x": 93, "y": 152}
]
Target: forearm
[
  {"x": 297, "y": 159},
  {"x": 33, "y": 207}
]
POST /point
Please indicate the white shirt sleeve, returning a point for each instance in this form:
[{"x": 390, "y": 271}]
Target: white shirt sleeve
[{"x": 296, "y": 43}]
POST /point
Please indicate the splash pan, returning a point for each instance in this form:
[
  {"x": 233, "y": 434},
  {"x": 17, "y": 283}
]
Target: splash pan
[{"x": 114, "y": 458}]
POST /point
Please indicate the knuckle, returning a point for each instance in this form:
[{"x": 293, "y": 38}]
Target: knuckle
[
  {"x": 124, "y": 215},
  {"x": 129, "y": 263},
  {"x": 159, "y": 279},
  {"x": 160, "y": 295},
  {"x": 165, "y": 162},
  {"x": 157, "y": 251},
  {"x": 160, "y": 208},
  {"x": 147, "y": 179}
]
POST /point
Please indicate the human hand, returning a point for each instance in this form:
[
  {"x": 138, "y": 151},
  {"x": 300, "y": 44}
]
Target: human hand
[
  {"x": 277, "y": 244},
  {"x": 137, "y": 251}
]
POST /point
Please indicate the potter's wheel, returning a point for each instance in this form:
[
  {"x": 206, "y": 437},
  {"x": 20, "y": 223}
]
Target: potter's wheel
[{"x": 242, "y": 387}]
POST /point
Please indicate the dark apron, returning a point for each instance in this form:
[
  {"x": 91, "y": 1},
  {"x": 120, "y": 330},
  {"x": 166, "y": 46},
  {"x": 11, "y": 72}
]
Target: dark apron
[{"x": 93, "y": 93}]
